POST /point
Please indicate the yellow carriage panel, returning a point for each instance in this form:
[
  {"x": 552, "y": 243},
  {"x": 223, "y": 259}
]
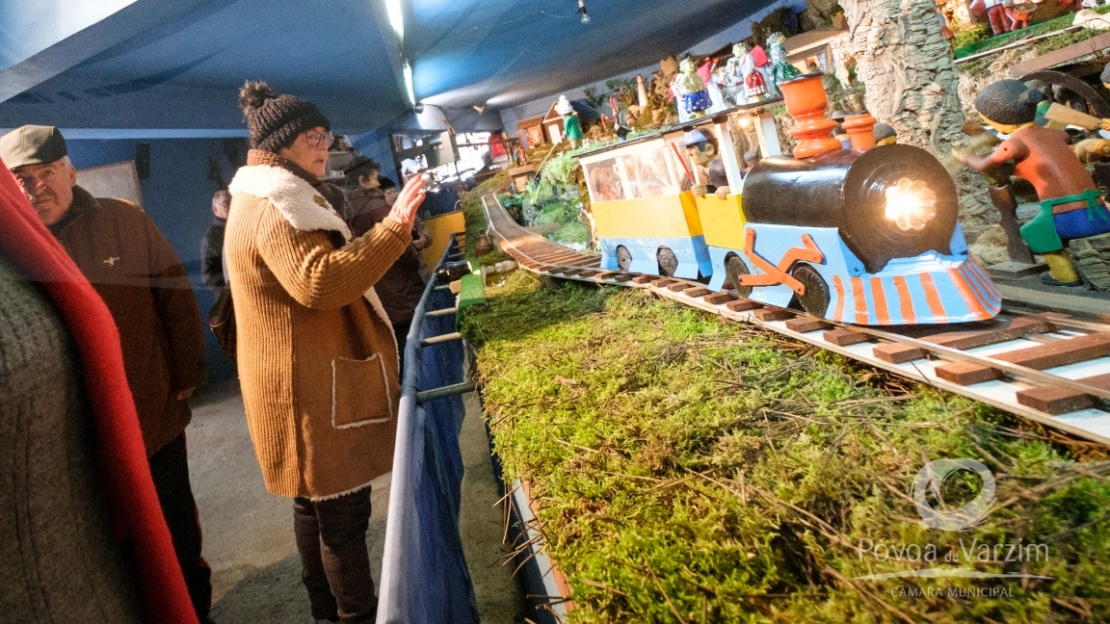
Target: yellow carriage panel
[
  {"x": 669, "y": 216},
  {"x": 723, "y": 220}
]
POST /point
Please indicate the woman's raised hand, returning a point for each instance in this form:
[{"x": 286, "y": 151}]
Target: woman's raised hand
[{"x": 408, "y": 201}]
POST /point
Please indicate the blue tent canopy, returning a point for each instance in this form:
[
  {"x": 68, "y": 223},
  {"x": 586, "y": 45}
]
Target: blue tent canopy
[{"x": 176, "y": 66}]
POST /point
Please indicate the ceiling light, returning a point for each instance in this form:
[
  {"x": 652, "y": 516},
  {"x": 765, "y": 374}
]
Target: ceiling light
[
  {"x": 479, "y": 108},
  {"x": 407, "y": 69},
  {"x": 582, "y": 10},
  {"x": 396, "y": 17}
]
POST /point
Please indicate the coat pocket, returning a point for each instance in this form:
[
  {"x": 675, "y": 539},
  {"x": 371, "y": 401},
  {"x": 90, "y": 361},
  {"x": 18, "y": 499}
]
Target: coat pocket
[{"x": 360, "y": 393}]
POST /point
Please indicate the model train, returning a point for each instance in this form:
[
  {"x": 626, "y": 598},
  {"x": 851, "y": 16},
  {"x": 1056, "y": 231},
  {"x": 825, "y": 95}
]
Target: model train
[{"x": 863, "y": 237}]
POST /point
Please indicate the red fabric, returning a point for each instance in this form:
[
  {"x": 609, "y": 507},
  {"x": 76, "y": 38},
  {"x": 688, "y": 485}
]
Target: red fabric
[
  {"x": 125, "y": 473},
  {"x": 759, "y": 56},
  {"x": 706, "y": 70},
  {"x": 496, "y": 147}
]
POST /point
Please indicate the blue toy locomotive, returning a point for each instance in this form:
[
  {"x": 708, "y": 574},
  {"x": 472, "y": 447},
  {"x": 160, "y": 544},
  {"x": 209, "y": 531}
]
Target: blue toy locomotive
[{"x": 862, "y": 237}]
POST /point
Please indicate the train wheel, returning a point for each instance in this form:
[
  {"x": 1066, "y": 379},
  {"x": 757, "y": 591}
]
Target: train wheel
[
  {"x": 734, "y": 268},
  {"x": 624, "y": 258},
  {"x": 668, "y": 262},
  {"x": 816, "y": 299}
]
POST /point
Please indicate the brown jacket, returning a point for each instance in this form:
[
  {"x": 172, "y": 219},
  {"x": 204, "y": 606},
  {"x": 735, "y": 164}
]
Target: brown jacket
[
  {"x": 133, "y": 268},
  {"x": 317, "y": 357},
  {"x": 402, "y": 285}
]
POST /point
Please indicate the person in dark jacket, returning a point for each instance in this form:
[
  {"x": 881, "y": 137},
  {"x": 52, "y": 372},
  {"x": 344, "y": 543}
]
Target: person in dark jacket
[
  {"x": 212, "y": 247},
  {"x": 402, "y": 285},
  {"x": 135, "y": 271},
  {"x": 362, "y": 186}
]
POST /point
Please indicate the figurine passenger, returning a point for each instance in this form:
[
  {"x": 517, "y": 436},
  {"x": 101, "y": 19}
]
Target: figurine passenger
[
  {"x": 732, "y": 77},
  {"x": 704, "y": 151},
  {"x": 755, "y": 86},
  {"x": 688, "y": 84},
  {"x": 884, "y": 134},
  {"x": 1071, "y": 206},
  {"x": 1000, "y": 19},
  {"x": 572, "y": 128},
  {"x": 781, "y": 70}
]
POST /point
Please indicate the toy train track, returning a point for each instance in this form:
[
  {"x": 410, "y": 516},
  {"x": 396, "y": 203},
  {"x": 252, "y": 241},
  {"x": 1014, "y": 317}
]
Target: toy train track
[{"x": 1049, "y": 368}]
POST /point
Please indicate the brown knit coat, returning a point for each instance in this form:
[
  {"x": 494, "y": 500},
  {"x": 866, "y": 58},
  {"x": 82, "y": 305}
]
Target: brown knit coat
[{"x": 317, "y": 357}]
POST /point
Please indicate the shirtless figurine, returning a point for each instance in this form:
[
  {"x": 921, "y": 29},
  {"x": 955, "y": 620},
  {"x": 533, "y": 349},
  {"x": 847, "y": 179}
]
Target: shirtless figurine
[{"x": 1071, "y": 206}]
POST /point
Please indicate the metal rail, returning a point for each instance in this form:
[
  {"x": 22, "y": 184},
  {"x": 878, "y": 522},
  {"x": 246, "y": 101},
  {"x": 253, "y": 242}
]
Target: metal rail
[{"x": 543, "y": 257}]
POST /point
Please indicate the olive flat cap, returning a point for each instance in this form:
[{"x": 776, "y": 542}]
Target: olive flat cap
[{"x": 32, "y": 145}]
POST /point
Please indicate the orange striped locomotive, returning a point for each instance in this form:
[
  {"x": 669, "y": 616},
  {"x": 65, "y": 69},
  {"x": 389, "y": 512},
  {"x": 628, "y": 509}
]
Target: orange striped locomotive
[{"x": 869, "y": 238}]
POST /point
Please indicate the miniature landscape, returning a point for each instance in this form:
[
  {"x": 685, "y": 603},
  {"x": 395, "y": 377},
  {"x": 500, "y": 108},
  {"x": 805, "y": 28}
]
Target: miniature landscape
[{"x": 694, "y": 470}]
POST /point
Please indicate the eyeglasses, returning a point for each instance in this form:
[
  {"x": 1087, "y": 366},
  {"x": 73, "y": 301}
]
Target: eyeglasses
[{"x": 315, "y": 139}]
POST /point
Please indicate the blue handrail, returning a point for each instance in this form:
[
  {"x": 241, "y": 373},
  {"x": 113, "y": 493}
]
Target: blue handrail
[{"x": 425, "y": 578}]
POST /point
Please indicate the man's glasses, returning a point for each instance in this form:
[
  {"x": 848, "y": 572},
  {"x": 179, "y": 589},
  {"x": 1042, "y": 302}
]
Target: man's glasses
[{"x": 315, "y": 139}]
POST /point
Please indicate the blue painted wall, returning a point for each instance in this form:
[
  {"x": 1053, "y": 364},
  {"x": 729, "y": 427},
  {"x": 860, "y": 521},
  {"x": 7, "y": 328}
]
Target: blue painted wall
[{"x": 178, "y": 196}]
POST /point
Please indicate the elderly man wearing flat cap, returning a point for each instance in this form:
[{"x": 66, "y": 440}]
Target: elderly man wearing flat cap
[{"x": 133, "y": 268}]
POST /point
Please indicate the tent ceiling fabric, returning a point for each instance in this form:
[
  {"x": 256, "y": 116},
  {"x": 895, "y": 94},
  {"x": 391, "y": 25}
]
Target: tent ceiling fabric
[
  {"x": 185, "y": 72},
  {"x": 506, "y": 52}
]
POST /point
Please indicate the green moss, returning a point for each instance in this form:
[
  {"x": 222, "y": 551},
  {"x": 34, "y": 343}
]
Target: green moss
[
  {"x": 1064, "y": 40},
  {"x": 685, "y": 465},
  {"x": 474, "y": 213},
  {"x": 971, "y": 35},
  {"x": 978, "y": 45}
]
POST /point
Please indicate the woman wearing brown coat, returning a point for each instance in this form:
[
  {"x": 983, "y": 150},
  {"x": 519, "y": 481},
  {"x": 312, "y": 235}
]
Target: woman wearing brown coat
[{"x": 316, "y": 353}]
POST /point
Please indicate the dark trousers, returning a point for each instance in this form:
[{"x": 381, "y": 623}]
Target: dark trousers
[
  {"x": 401, "y": 331},
  {"x": 331, "y": 539},
  {"x": 170, "y": 469}
]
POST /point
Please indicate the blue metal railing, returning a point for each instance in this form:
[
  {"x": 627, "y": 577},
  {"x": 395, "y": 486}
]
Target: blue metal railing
[{"x": 425, "y": 578}]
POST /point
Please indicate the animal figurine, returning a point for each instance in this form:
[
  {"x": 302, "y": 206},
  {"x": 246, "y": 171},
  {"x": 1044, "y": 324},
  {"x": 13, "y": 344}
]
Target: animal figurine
[{"x": 1071, "y": 206}]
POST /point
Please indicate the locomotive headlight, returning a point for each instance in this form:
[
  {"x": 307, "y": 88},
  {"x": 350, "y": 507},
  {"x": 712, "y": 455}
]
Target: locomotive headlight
[{"x": 911, "y": 204}]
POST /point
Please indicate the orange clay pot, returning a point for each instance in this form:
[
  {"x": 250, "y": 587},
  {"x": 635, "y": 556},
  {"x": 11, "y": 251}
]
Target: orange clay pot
[
  {"x": 861, "y": 130},
  {"x": 806, "y": 102}
]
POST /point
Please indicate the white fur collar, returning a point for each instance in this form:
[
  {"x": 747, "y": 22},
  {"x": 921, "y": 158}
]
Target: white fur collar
[
  {"x": 300, "y": 204},
  {"x": 303, "y": 207}
]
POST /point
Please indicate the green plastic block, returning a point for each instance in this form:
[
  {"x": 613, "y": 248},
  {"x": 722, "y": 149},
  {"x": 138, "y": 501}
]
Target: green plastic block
[{"x": 471, "y": 291}]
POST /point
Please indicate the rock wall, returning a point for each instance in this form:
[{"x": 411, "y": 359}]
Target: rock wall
[
  {"x": 912, "y": 84},
  {"x": 1092, "y": 260}
]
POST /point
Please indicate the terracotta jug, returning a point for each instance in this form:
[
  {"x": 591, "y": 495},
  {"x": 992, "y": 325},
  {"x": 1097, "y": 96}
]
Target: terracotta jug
[{"x": 484, "y": 245}]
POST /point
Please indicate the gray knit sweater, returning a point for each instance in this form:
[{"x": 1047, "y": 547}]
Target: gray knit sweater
[{"x": 58, "y": 560}]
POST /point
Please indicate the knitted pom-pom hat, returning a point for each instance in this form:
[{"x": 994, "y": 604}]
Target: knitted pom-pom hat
[{"x": 275, "y": 120}]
